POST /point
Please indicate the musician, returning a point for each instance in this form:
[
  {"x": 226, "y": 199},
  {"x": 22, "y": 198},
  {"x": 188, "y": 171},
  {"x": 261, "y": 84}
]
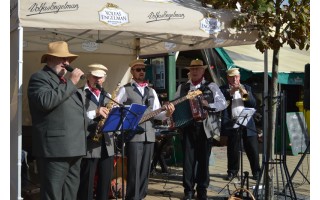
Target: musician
[
  {"x": 58, "y": 123},
  {"x": 198, "y": 135},
  {"x": 139, "y": 149},
  {"x": 240, "y": 96},
  {"x": 100, "y": 154}
]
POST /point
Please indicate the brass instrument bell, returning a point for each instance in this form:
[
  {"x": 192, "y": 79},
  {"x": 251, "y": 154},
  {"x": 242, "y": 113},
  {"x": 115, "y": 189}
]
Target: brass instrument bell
[{"x": 244, "y": 93}]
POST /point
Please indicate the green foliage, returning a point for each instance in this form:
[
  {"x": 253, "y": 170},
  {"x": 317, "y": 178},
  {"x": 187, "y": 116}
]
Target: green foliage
[{"x": 276, "y": 24}]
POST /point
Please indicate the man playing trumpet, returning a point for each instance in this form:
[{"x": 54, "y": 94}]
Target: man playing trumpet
[{"x": 240, "y": 96}]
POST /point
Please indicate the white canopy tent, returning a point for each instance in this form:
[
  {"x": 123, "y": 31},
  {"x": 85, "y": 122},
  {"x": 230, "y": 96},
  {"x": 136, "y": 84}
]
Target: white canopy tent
[{"x": 111, "y": 33}]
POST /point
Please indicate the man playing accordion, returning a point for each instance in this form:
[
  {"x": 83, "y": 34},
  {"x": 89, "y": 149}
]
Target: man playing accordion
[{"x": 198, "y": 134}]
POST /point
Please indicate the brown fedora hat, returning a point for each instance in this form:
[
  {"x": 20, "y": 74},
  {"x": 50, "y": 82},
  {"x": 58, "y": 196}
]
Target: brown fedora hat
[
  {"x": 137, "y": 62},
  {"x": 197, "y": 63},
  {"x": 58, "y": 49}
]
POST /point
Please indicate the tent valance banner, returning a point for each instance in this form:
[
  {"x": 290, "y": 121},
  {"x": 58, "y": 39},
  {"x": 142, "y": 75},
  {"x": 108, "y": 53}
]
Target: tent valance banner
[{"x": 125, "y": 27}]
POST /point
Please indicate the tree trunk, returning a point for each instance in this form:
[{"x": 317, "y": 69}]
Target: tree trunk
[{"x": 272, "y": 104}]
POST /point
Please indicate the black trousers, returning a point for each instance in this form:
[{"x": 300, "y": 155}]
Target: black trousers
[
  {"x": 139, "y": 156},
  {"x": 196, "y": 153},
  {"x": 251, "y": 147},
  {"x": 158, "y": 154},
  {"x": 59, "y": 177},
  {"x": 104, "y": 165}
]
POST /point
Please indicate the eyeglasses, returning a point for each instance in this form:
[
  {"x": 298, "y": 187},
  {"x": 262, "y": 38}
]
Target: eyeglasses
[{"x": 139, "y": 69}]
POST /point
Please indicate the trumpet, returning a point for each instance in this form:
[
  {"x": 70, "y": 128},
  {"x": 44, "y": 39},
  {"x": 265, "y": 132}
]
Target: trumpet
[{"x": 244, "y": 93}]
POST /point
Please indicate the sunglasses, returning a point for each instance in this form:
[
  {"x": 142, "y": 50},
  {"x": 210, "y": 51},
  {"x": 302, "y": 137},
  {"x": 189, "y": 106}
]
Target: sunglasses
[{"x": 139, "y": 69}]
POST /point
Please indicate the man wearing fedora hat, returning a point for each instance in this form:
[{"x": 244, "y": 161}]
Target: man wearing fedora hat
[
  {"x": 100, "y": 153},
  {"x": 198, "y": 135},
  {"x": 58, "y": 123},
  {"x": 235, "y": 92},
  {"x": 140, "y": 148}
]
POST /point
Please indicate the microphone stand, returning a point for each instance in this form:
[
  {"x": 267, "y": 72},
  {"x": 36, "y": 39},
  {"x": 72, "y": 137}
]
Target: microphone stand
[
  {"x": 122, "y": 115},
  {"x": 242, "y": 180}
]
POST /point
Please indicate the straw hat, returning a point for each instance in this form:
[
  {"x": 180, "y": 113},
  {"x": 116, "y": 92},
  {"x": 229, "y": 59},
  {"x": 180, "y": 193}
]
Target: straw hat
[
  {"x": 98, "y": 70},
  {"x": 137, "y": 62},
  {"x": 58, "y": 49},
  {"x": 233, "y": 72},
  {"x": 197, "y": 63}
]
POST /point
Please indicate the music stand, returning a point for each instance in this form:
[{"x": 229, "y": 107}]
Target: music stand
[
  {"x": 240, "y": 122},
  {"x": 123, "y": 119}
]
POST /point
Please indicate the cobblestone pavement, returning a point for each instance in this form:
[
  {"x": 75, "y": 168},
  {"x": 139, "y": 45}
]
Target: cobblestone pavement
[{"x": 169, "y": 186}]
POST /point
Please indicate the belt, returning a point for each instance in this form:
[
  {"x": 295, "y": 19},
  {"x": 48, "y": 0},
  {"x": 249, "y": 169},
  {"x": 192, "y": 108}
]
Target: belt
[{"x": 198, "y": 123}]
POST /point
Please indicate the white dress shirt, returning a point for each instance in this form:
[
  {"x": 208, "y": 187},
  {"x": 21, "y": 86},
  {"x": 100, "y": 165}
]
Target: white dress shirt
[{"x": 122, "y": 97}]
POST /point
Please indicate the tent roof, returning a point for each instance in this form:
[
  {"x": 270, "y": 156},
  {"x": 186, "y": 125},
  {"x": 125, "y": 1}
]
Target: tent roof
[{"x": 125, "y": 27}]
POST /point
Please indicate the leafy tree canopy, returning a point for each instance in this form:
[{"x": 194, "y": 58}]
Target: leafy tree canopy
[{"x": 277, "y": 24}]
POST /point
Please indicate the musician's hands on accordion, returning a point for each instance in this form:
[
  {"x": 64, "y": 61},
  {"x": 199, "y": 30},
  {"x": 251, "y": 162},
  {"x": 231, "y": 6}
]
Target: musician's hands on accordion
[{"x": 205, "y": 106}]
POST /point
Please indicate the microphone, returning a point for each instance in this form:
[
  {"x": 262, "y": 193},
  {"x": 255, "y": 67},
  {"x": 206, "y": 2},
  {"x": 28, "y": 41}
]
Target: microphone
[
  {"x": 70, "y": 69},
  {"x": 99, "y": 87},
  {"x": 103, "y": 92}
]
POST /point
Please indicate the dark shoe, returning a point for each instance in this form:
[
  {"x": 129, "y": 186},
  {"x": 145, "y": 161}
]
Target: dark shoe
[
  {"x": 164, "y": 171},
  {"x": 230, "y": 176},
  {"x": 188, "y": 196},
  {"x": 202, "y": 195}
]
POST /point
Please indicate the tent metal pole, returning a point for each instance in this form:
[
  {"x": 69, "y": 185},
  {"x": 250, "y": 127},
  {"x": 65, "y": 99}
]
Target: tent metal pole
[
  {"x": 137, "y": 49},
  {"x": 258, "y": 191},
  {"x": 171, "y": 75},
  {"x": 19, "y": 134}
]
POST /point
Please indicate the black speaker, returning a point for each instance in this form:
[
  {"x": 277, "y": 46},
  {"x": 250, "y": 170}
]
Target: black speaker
[{"x": 306, "y": 93}]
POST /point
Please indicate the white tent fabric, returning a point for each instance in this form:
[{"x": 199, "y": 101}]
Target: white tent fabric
[{"x": 112, "y": 32}]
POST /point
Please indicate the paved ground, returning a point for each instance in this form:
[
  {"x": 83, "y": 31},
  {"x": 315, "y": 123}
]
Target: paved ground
[{"x": 169, "y": 186}]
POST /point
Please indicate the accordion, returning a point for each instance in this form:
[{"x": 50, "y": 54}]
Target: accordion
[{"x": 188, "y": 111}]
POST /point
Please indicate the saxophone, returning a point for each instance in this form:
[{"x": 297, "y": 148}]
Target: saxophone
[{"x": 98, "y": 133}]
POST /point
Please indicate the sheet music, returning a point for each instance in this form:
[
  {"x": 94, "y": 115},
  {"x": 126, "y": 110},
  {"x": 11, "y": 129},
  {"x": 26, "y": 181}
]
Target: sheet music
[
  {"x": 131, "y": 117},
  {"x": 244, "y": 117}
]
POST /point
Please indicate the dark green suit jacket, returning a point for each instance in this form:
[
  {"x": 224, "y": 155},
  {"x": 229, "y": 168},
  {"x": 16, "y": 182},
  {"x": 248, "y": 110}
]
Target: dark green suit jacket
[{"x": 58, "y": 116}]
